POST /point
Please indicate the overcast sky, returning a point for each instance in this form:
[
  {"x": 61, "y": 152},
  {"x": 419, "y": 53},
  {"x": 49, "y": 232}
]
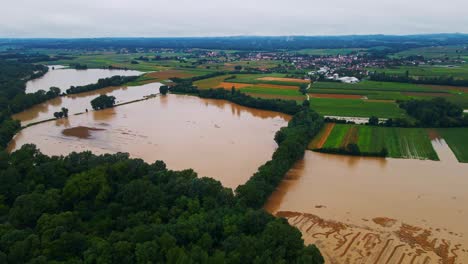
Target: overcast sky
[{"x": 161, "y": 18}]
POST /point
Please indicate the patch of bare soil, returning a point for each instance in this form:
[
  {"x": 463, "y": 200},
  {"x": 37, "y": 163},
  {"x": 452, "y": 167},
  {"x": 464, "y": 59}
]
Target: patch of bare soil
[
  {"x": 388, "y": 241},
  {"x": 322, "y": 137},
  {"x": 384, "y": 221},
  {"x": 80, "y": 131}
]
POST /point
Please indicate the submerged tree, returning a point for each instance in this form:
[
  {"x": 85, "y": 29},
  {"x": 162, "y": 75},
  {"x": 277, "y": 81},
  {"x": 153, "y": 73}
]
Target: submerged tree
[
  {"x": 65, "y": 112},
  {"x": 103, "y": 101},
  {"x": 163, "y": 89}
]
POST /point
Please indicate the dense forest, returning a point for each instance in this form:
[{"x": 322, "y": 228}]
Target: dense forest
[
  {"x": 247, "y": 42},
  {"x": 84, "y": 208}
]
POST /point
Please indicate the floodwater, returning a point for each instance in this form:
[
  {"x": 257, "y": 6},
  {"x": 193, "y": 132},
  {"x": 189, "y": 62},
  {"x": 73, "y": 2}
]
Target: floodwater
[
  {"x": 374, "y": 210},
  {"x": 78, "y": 103},
  {"x": 216, "y": 138},
  {"x": 63, "y": 78}
]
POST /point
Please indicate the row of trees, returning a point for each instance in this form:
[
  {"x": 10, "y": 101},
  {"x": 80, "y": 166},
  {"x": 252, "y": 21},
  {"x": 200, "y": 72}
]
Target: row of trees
[
  {"x": 406, "y": 78},
  {"x": 83, "y": 208},
  {"x": 292, "y": 143},
  {"x": 284, "y": 106},
  {"x": 102, "y": 83}
]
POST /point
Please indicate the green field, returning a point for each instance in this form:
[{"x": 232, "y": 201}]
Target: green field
[
  {"x": 411, "y": 143},
  {"x": 254, "y": 79},
  {"x": 438, "y": 52},
  {"x": 273, "y": 91},
  {"x": 356, "y": 108},
  {"x": 372, "y": 86},
  {"x": 457, "y": 139},
  {"x": 457, "y": 72},
  {"x": 211, "y": 82},
  {"x": 393, "y": 91}
]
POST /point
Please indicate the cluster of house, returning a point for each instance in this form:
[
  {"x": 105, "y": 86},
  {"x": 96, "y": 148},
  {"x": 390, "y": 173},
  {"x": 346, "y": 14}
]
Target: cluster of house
[{"x": 328, "y": 74}]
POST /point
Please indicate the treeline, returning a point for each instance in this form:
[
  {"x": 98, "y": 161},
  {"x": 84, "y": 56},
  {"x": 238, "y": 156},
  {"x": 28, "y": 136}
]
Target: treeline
[
  {"x": 284, "y": 106},
  {"x": 83, "y": 208},
  {"x": 292, "y": 143},
  {"x": 13, "y": 78},
  {"x": 352, "y": 149},
  {"x": 102, "y": 83},
  {"x": 214, "y": 74},
  {"x": 437, "y": 112},
  {"x": 406, "y": 78}
]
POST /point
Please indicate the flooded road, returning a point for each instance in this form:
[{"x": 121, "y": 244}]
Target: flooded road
[
  {"x": 373, "y": 210},
  {"x": 216, "y": 138},
  {"x": 78, "y": 103},
  {"x": 63, "y": 78}
]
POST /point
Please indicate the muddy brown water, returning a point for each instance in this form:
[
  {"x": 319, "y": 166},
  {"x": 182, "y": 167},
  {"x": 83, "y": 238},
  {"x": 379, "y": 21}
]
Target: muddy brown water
[
  {"x": 216, "y": 138},
  {"x": 78, "y": 103},
  {"x": 63, "y": 78},
  {"x": 373, "y": 210}
]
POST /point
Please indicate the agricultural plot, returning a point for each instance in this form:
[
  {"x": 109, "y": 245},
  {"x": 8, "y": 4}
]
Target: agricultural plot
[
  {"x": 250, "y": 84},
  {"x": 456, "y": 71},
  {"x": 356, "y": 108},
  {"x": 457, "y": 139},
  {"x": 438, "y": 52},
  {"x": 118, "y": 60},
  {"x": 273, "y": 78},
  {"x": 372, "y": 91},
  {"x": 411, "y": 143}
]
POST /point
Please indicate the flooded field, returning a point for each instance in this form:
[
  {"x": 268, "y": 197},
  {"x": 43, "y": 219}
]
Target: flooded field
[
  {"x": 63, "y": 78},
  {"x": 78, "y": 103},
  {"x": 216, "y": 138},
  {"x": 373, "y": 210}
]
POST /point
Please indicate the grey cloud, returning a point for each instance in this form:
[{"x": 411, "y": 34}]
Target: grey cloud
[{"x": 155, "y": 18}]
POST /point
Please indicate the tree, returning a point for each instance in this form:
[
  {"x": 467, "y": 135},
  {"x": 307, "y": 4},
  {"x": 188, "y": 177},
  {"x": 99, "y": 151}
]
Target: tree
[
  {"x": 353, "y": 149},
  {"x": 65, "y": 112},
  {"x": 58, "y": 115},
  {"x": 163, "y": 89},
  {"x": 373, "y": 121},
  {"x": 103, "y": 101},
  {"x": 238, "y": 67}
]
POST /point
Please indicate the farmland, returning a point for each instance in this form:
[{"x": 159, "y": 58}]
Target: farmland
[
  {"x": 457, "y": 139},
  {"x": 382, "y": 92},
  {"x": 259, "y": 85},
  {"x": 455, "y": 71},
  {"x": 438, "y": 52},
  {"x": 356, "y": 108},
  {"x": 399, "y": 142}
]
